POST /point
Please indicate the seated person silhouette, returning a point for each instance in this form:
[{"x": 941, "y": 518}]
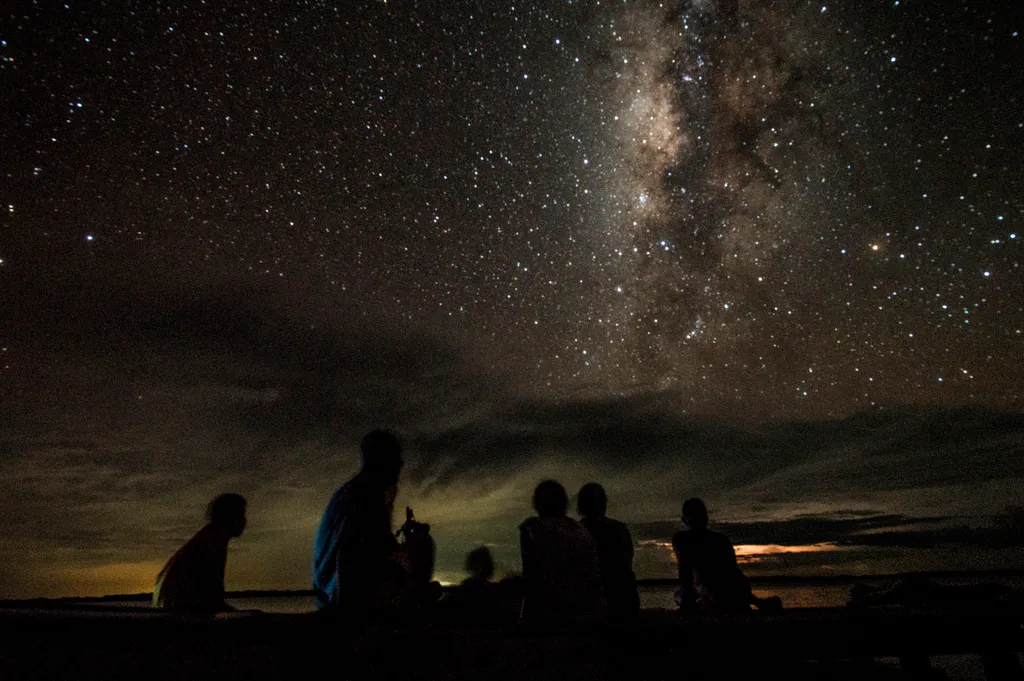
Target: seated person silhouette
[
  {"x": 614, "y": 553},
  {"x": 193, "y": 578},
  {"x": 709, "y": 578},
  {"x": 561, "y": 575},
  {"x": 480, "y": 602},
  {"x": 480, "y": 566},
  {"x": 359, "y": 568},
  {"x": 418, "y": 550},
  {"x": 476, "y": 598}
]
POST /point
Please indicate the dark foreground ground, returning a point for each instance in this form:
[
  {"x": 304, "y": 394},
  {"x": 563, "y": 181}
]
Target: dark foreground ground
[{"x": 795, "y": 644}]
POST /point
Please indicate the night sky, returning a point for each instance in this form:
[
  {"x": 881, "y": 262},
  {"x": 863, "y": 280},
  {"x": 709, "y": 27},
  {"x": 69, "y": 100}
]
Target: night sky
[{"x": 767, "y": 253}]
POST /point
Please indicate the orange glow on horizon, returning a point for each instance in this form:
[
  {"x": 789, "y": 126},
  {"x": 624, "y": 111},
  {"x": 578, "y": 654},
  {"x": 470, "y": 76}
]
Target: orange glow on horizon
[
  {"x": 750, "y": 553},
  {"x": 102, "y": 580},
  {"x": 746, "y": 553}
]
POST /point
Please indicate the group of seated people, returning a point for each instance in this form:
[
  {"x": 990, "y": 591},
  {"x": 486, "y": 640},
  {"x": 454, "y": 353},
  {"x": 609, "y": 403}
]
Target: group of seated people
[{"x": 574, "y": 572}]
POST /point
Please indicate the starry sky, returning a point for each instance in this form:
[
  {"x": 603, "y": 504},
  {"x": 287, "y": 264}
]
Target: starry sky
[{"x": 764, "y": 253}]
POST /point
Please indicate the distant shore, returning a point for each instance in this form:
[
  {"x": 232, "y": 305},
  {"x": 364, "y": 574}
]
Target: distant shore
[{"x": 766, "y": 581}]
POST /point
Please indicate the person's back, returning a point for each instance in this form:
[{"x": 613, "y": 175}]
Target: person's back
[
  {"x": 709, "y": 577},
  {"x": 560, "y": 566},
  {"x": 192, "y": 580},
  {"x": 475, "y": 600},
  {"x": 708, "y": 560},
  {"x": 614, "y": 553},
  {"x": 353, "y": 545},
  {"x": 354, "y": 567},
  {"x": 615, "y": 558}
]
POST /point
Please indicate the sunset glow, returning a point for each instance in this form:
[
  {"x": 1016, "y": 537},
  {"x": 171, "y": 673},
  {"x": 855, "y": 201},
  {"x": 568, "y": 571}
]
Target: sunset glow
[{"x": 749, "y": 553}]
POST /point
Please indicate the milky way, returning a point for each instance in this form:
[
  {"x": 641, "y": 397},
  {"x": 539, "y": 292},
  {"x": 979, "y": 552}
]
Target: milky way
[
  {"x": 723, "y": 147},
  {"x": 249, "y": 231}
]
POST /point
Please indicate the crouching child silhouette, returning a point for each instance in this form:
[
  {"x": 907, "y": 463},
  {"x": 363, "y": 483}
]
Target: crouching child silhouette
[{"x": 193, "y": 578}]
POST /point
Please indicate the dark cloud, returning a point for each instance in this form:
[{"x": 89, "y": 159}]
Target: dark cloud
[
  {"x": 884, "y": 450},
  {"x": 1004, "y": 530},
  {"x": 147, "y": 406},
  {"x": 288, "y": 375}
]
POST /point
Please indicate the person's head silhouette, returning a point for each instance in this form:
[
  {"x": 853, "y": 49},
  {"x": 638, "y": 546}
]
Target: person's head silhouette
[
  {"x": 479, "y": 563},
  {"x": 592, "y": 502},
  {"x": 550, "y": 499},
  {"x": 227, "y": 512},
  {"x": 382, "y": 457},
  {"x": 695, "y": 514}
]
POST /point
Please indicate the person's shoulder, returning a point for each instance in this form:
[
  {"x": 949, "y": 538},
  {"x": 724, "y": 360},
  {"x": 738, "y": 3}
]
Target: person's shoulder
[
  {"x": 617, "y": 526},
  {"x": 204, "y": 539},
  {"x": 621, "y": 532},
  {"x": 476, "y": 585},
  {"x": 573, "y": 528},
  {"x": 683, "y": 540},
  {"x": 719, "y": 538},
  {"x": 605, "y": 527},
  {"x": 194, "y": 551},
  {"x": 348, "y": 492},
  {"x": 357, "y": 484},
  {"x": 576, "y": 537},
  {"x": 212, "y": 543}
]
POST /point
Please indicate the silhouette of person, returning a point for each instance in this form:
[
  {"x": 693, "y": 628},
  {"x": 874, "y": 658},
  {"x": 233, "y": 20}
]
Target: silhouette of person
[
  {"x": 614, "y": 553},
  {"x": 475, "y": 599},
  {"x": 193, "y": 578},
  {"x": 562, "y": 578},
  {"x": 358, "y": 565},
  {"x": 417, "y": 547},
  {"x": 480, "y": 602},
  {"x": 480, "y": 566},
  {"x": 709, "y": 578}
]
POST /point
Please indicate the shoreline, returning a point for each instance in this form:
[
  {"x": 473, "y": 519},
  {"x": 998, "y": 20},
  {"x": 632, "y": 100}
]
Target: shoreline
[{"x": 656, "y": 583}]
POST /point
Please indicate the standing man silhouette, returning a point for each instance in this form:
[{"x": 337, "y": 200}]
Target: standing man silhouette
[{"x": 359, "y": 568}]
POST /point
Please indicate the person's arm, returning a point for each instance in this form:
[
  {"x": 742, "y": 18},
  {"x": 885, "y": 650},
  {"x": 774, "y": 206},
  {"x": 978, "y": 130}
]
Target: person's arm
[
  {"x": 627, "y": 548},
  {"x": 158, "y": 588},
  {"x": 631, "y": 597},
  {"x": 742, "y": 583},
  {"x": 687, "y": 590},
  {"x": 209, "y": 567},
  {"x": 358, "y": 560},
  {"x": 220, "y": 567},
  {"x": 376, "y": 561},
  {"x": 530, "y": 575}
]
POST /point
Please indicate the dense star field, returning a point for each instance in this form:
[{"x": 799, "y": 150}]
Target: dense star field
[{"x": 763, "y": 252}]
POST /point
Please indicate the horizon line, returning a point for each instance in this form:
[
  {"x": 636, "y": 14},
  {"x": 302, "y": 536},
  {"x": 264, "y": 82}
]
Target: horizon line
[{"x": 647, "y": 582}]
